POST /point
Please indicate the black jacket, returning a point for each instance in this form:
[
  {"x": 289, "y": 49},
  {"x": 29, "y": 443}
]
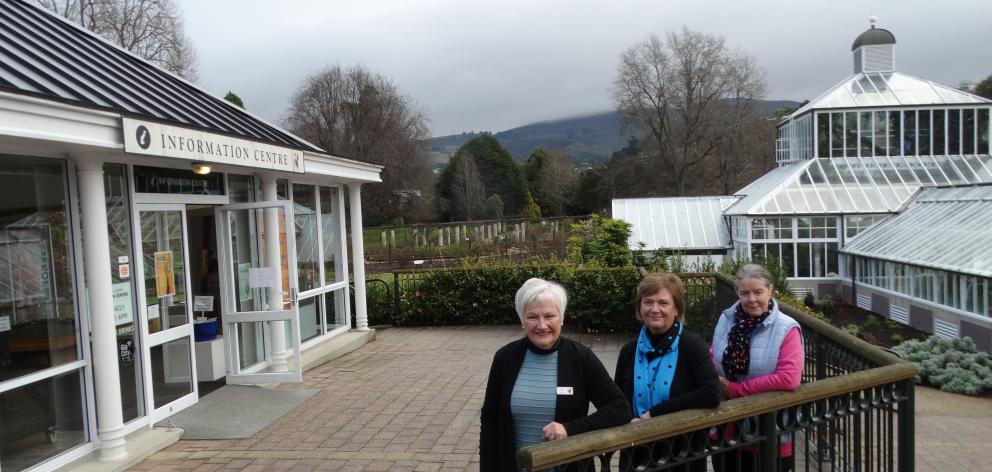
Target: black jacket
[
  {"x": 578, "y": 368},
  {"x": 695, "y": 385}
]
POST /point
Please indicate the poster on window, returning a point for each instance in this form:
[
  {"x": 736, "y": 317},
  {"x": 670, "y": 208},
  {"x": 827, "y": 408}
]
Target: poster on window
[
  {"x": 122, "y": 303},
  {"x": 244, "y": 290},
  {"x": 165, "y": 277},
  {"x": 26, "y": 271}
]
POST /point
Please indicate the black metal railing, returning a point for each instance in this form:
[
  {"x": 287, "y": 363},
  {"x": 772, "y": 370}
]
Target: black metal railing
[{"x": 853, "y": 412}]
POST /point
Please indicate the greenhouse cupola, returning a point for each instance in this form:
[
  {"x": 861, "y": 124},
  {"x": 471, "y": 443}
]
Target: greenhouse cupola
[{"x": 874, "y": 50}]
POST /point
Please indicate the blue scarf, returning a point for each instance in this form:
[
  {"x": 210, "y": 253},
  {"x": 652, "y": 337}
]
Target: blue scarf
[{"x": 653, "y": 377}]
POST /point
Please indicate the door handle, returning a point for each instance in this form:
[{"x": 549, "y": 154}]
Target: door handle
[{"x": 293, "y": 295}]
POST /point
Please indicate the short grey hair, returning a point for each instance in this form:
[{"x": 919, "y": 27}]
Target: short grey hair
[
  {"x": 753, "y": 271},
  {"x": 536, "y": 289}
]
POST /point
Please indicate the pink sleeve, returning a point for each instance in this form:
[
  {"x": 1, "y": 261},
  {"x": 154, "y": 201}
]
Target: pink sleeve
[{"x": 787, "y": 375}]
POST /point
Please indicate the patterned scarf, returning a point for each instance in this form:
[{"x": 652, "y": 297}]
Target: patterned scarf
[{"x": 737, "y": 355}]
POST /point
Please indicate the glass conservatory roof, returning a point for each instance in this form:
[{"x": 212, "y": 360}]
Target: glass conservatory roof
[
  {"x": 944, "y": 228},
  {"x": 884, "y": 89},
  {"x": 843, "y": 185},
  {"x": 675, "y": 223}
]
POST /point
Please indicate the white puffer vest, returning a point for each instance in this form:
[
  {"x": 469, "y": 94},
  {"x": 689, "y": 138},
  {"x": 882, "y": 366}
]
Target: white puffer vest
[{"x": 765, "y": 342}]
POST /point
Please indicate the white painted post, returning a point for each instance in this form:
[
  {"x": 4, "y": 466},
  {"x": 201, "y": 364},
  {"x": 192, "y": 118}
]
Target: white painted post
[
  {"x": 358, "y": 257},
  {"x": 273, "y": 259},
  {"x": 96, "y": 250}
]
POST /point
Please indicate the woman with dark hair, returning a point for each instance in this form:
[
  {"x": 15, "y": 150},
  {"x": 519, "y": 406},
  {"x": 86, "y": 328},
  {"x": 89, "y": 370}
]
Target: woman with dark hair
[
  {"x": 756, "y": 348},
  {"x": 668, "y": 368},
  {"x": 540, "y": 386}
]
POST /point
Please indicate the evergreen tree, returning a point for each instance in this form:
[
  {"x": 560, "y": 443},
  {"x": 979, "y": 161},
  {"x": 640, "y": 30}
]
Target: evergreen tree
[
  {"x": 499, "y": 173},
  {"x": 234, "y": 98}
]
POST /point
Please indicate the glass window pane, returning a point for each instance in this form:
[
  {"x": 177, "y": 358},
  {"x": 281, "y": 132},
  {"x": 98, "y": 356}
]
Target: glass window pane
[
  {"x": 804, "y": 224},
  {"x": 329, "y": 231},
  {"x": 832, "y": 259},
  {"x": 41, "y": 420},
  {"x": 305, "y": 216},
  {"x": 923, "y": 138},
  {"x": 954, "y": 131},
  {"x": 36, "y": 284},
  {"x": 880, "y": 140},
  {"x": 789, "y": 259},
  {"x": 119, "y": 233},
  {"x": 177, "y": 181},
  {"x": 894, "y": 134},
  {"x": 865, "y": 130},
  {"x": 939, "y": 125},
  {"x": 310, "y": 318},
  {"x": 336, "y": 315},
  {"x": 983, "y": 132},
  {"x": 241, "y": 188},
  {"x": 823, "y": 134},
  {"x": 171, "y": 375},
  {"x": 803, "y": 260},
  {"x": 837, "y": 134},
  {"x": 968, "y": 132},
  {"x": 909, "y": 132},
  {"x": 165, "y": 271},
  {"x": 851, "y": 122}
]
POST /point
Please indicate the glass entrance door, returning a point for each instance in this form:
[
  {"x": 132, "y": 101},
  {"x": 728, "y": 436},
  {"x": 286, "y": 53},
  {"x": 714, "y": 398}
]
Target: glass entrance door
[
  {"x": 166, "y": 308},
  {"x": 259, "y": 303}
]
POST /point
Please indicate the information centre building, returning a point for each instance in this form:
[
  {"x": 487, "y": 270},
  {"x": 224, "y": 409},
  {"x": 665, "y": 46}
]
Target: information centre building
[{"x": 132, "y": 205}]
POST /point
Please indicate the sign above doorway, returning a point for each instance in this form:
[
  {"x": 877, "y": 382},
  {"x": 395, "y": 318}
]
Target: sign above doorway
[{"x": 155, "y": 139}]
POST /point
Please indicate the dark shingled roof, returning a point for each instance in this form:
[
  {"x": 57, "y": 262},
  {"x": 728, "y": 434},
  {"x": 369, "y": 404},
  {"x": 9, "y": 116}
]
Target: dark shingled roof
[
  {"x": 874, "y": 36},
  {"x": 46, "y": 56}
]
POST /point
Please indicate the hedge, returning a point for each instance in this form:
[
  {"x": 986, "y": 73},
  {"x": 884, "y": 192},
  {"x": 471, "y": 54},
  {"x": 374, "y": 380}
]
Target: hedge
[{"x": 600, "y": 300}]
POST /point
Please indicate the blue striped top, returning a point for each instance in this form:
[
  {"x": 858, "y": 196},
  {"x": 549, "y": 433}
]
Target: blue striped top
[{"x": 534, "y": 397}]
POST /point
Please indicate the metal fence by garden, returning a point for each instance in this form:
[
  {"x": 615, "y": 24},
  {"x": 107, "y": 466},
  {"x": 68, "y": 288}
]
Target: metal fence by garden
[{"x": 852, "y": 412}]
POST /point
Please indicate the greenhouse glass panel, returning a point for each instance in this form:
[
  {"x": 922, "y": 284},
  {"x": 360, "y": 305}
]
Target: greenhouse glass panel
[
  {"x": 823, "y": 134},
  {"x": 836, "y": 134},
  {"x": 880, "y": 137},
  {"x": 803, "y": 260},
  {"x": 865, "y": 128},
  {"x": 832, "y": 259},
  {"x": 851, "y": 133},
  {"x": 983, "y": 131},
  {"x": 788, "y": 258},
  {"x": 909, "y": 132},
  {"x": 894, "y": 133},
  {"x": 968, "y": 132},
  {"x": 954, "y": 131},
  {"x": 939, "y": 130},
  {"x": 923, "y": 137}
]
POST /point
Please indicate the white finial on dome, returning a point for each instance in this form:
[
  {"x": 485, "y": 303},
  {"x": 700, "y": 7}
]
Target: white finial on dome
[{"x": 872, "y": 19}]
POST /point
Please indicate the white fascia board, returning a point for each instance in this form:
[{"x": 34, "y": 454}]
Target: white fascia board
[
  {"x": 340, "y": 168},
  {"x": 35, "y": 118}
]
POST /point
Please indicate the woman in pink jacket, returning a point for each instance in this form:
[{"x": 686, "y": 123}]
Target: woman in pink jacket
[{"x": 756, "y": 348}]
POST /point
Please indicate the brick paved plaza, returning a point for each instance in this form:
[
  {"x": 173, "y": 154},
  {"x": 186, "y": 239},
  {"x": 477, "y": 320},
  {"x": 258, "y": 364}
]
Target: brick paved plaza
[{"x": 410, "y": 401}]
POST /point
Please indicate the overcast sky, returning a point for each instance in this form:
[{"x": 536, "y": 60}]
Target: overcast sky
[{"x": 481, "y": 65}]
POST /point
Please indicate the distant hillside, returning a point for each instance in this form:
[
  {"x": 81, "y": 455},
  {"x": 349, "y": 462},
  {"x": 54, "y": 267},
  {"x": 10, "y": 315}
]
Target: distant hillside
[{"x": 590, "y": 139}]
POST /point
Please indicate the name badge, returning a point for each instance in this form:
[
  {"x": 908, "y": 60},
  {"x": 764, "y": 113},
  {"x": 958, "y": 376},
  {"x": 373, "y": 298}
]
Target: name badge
[{"x": 564, "y": 390}]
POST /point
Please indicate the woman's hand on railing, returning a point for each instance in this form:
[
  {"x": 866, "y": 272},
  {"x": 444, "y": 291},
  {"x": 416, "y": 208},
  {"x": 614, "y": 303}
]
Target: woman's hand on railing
[
  {"x": 645, "y": 416},
  {"x": 724, "y": 388},
  {"x": 554, "y": 431}
]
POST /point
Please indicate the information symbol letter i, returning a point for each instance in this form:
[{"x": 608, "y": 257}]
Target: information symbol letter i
[{"x": 144, "y": 137}]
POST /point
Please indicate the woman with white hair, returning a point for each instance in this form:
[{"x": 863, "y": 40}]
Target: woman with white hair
[
  {"x": 540, "y": 386},
  {"x": 756, "y": 348}
]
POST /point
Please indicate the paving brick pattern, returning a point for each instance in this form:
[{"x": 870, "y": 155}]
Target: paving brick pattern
[{"x": 410, "y": 400}]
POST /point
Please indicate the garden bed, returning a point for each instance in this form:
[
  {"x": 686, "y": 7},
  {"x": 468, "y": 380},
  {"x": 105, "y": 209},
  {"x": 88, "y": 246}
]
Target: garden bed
[{"x": 867, "y": 325}]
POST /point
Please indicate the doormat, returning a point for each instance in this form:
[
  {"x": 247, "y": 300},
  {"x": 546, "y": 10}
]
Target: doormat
[{"x": 235, "y": 412}]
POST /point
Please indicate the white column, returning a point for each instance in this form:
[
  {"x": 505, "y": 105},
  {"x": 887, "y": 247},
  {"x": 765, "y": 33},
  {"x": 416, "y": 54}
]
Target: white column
[
  {"x": 96, "y": 250},
  {"x": 273, "y": 259},
  {"x": 358, "y": 256}
]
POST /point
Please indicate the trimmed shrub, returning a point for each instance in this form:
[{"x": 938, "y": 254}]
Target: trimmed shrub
[{"x": 953, "y": 365}]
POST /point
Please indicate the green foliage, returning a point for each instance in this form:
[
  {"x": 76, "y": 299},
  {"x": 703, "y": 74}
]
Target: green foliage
[
  {"x": 853, "y": 330},
  {"x": 953, "y": 365},
  {"x": 827, "y": 305},
  {"x": 706, "y": 264},
  {"x": 896, "y": 338},
  {"x": 500, "y": 175},
  {"x": 780, "y": 277},
  {"x": 676, "y": 262},
  {"x": 233, "y": 98},
  {"x": 531, "y": 210},
  {"x": 984, "y": 88},
  {"x": 809, "y": 300},
  {"x": 600, "y": 242},
  {"x": 872, "y": 321}
]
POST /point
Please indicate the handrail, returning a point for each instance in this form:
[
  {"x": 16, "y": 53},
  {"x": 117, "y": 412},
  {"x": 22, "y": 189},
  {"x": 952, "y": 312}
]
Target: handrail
[{"x": 890, "y": 371}]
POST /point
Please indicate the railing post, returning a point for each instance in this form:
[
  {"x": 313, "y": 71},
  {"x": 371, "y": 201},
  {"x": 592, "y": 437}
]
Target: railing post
[
  {"x": 907, "y": 428},
  {"x": 396, "y": 296},
  {"x": 768, "y": 452}
]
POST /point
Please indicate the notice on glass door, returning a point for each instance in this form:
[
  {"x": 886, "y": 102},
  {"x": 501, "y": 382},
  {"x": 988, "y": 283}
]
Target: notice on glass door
[
  {"x": 165, "y": 277},
  {"x": 262, "y": 277},
  {"x": 243, "y": 288},
  {"x": 122, "y": 303}
]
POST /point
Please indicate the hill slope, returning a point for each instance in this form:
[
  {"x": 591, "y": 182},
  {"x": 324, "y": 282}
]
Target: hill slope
[{"x": 589, "y": 139}]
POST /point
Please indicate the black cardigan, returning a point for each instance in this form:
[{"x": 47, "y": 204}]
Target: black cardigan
[
  {"x": 578, "y": 368},
  {"x": 695, "y": 385}
]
